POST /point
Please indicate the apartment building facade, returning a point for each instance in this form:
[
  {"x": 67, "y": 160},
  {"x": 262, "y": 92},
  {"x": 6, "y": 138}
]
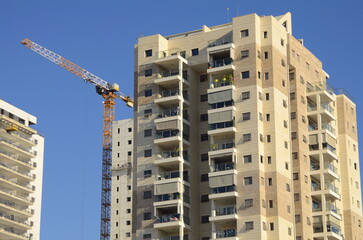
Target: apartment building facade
[
  {"x": 21, "y": 173},
  {"x": 238, "y": 135}
]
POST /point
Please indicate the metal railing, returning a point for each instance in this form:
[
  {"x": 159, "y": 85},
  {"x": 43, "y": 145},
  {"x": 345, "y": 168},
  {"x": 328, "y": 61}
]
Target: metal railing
[
  {"x": 169, "y": 93},
  {"x": 168, "y": 112},
  {"x": 225, "y": 233},
  {"x": 28, "y": 186},
  {"x": 332, "y": 208},
  {"x": 168, "y": 218},
  {"x": 224, "y": 189},
  {"x": 214, "y": 126},
  {"x": 327, "y": 107},
  {"x": 329, "y": 186},
  {"x": 167, "y": 134},
  {"x": 221, "y": 83},
  {"x": 223, "y": 166},
  {"x": 12, "y": 205},
  {"x": 168, "y": 73},
  {"x": 18, "y": 146},
  {"x": 16, "y": 170},
  {"x": 221, "y": 41},
  {"x": 168, "y": 154},
  {"x": 328, "y": 127},
  {"x": 168, "y": 175},
  {"x": 225, "y": 211},
  {"x": 221, "y": 62},
  {"x": 221, "y": 104},
  {"x": 5, "y": 190},
  {"x": 221, "y": 146},
  {"x": 331, "y": 167},
  {"x": 314, "y": 87},
  {"x": 16, "y": 158},
  {"x": 14, "y": 219},
  {"x": 311, "y": 107}
]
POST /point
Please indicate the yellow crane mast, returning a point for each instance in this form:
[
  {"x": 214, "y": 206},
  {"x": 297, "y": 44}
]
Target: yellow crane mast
[{"x": 109, "y": 92}]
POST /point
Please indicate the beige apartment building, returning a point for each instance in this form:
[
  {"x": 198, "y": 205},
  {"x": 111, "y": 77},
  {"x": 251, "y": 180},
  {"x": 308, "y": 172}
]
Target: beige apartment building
[
  {"x": 238, "y": 135},
  {"x": 21, "y": 174}
]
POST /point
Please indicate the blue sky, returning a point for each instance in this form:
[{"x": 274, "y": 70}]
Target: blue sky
[{"x": 99, "y": 36}]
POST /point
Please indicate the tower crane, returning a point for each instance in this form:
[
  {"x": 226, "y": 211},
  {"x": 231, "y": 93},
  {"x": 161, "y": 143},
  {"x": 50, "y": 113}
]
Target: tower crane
[{"x": 109, "y": 92}]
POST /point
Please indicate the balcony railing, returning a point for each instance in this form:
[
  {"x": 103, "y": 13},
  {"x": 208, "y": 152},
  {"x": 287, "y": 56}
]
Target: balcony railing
[
  {"x": 329, "y": 147},
  {"x": 221, "y": 104},
  {"x": 221, "y": 62},
  {"x": 174, "y": 238},
  {"x": 315, "y": 186},
  {"x": 168, "y": 73},
  {"x": 168, "y": 175},
  {"x": 168, "y": 154},
  {"x": 328, "y": 127},
  {"x": 18, "y": 146},
  {"x": 332, "y": 208},
  {"x": 167, "y": 197},
  {"x": 17, "y": 158},
  {"x": 311, "y": 107},
  {"x": 28, "y": 186},
  {"x": 319, "y": 86},
  {"x": 169, "y": 92},
  {"x": 220, "y": 125},
  {"x": 225, "y": 233},
  {"x": 168, "y": 112},
  {"x": 329, "y": 186},
  {"x": 14, "y": 219},
  {"x": 327, "y": 107},
  {"x": 331, "y": 227},
  {"x": 221, "y": 146},
  {"x": 226, "y": 80},
  {"x": 221, "y": 41},
  {"x": 224, "y": 189},
  {"x": 172, "y": 52},
  {"x": 12, "y": 205},
  {"x": 225, "y": 211},
  {"x": 11, "y": 230},
  {"x": 168, "y": 218},
  {"x": 8, "y": 191},
  {"x": 312, "y": 127},
  {"x": 314, "y": 166},
  {"x": 314, "y": 147},
  {"x": 223, "y": 167},
  {"x": 167, "y": 134},
  {"x": 16, "y": 170},
  {"x": 331, "y": 167}
]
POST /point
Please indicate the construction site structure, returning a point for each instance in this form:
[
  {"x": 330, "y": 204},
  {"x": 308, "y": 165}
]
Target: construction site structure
[{"x": 109, "y": 92}]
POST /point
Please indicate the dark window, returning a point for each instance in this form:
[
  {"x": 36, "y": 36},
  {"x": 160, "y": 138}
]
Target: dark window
[
  {"x": 203, "y": 137},
  {"x": 205, "y": 238},
  {"x": 246, "y": 116},
  {"x": 146, "y": 236},
  {"x": 247, "y": 181},
  {"x": 269, "y": 181},
  {"x": 147, "y": 216},
  {"x": 269, "y": 159},
  {"x": 204, "y": 97},
  {"x": 130, "y": 129},
  {"x": 128, "y": 210},
  {"x": 267, "y": 96},
  {"x": 265, "y": 34},
  {"x": 147, "y": 153},
  {"x": 247, "y": 158},
  {"x": 245, "y": 54},
  {"x": 148, "y": 72},
  {"x": 148, "y": 53},
  {"x": 245, "y": 74},
  {"x": 195, "y": 52},
  {"x": 245, "y": 95},
  {"x": 204, "y": 177},
  {"x": 203, "y": 78},
  {"x": 265, "y": 54},
  {"x": 293, "y": 115},
  {"x": 147, "y": 194},
  {"x": 267, "y": 76},
  {"x": 147, "y": 132},
  {"x": 128, "y": 222},
  {"x": 204, "y": 117},
  {"x": 205, "y": 219},
  {"x": 270, "y": 203},
  {"x": 204, "y": 198},
  {"x": 148, "y": 112},
  {"x": 204, "y": 157},
  {"x": 128, "y": 199},
  {"x": 147, "y": 173},
  {"x": 129, "y": 153},
  {"x": 246, "y": 137},
  {"x": 244, "y": 33},
  {"x": 249, "y": 225},
  {"x": 268, "y": 138},
  {"x": 148, "y": 92},
  {"x": 129, "y": 142},
  {"x": 272, "y": 227}
]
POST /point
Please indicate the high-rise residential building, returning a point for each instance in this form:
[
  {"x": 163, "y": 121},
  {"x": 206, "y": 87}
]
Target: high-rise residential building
[
  {"x": 21, "y": 173},
  {"x": 238, "y": 135},
  {"x": 121, "y": 203}
]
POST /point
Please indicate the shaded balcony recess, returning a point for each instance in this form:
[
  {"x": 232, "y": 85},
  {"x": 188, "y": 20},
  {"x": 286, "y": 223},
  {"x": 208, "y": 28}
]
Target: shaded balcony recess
[
  {"x": 220, "y": 41},
  {"x": 172, "y": 52},
  {"x": 225, "y": 233},
  {"x": 214, "y": 126},
  {"x": 221, "y": 104},
  {"x": 225, "y": 211},
  {"x": 167, "y": 134},
  {"x": 220, "y": 146},
  {"x": 222, "y": 80},
  {"x": 223, "y": 189},
  {"x": 223, "y": 167},
  {"x": 221, "y": 62}
]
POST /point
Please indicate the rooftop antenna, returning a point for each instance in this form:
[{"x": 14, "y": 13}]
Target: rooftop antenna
[{"x": 227, "y": 14}]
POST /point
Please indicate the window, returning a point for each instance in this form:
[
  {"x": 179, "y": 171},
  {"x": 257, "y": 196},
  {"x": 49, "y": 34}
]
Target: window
[
  {"x": 129, "y": 153},
  {"x": 286, "y": 144},
  {"x": 129, "y": 129},
  {"x": 245, "y": 95},
  {"x": 297, "y": 218},
  {"x": 147, "y": 216},
  {"x": 128, "y": 199},
  {"x": 204, "y": 177},
  {"x": 204, "y": 157},
  {"x": 292, "y": 95},
  {"x": 293, "y": 135},
  {"x": 204, "y": 219},
  {"x": 272, "y": 227},
  {"x": 146, "y": 236},
  {"x": 259, "y": 75},
  {"x": 283, "y": 83},
  {"x": 259, "y": 54},
  {"x": 269, "y": 160},
  {"x": 148, "y": 92},
  {"x": 204, "y": 97},
  {"x": 283, "y": 63},
  {"x": 147, "y": 112},
  {"x": 302, "y": 81},
  {"x": 261, "y": 137},
  {"x": 296, "y": 197},
  {"x": 266, "y": 76},
  {"x": 268, "y": 138},
  {"x": 245, "y": 54},
  {"x": 204, "y": 198},
  {"x": 285, "y": 123},
  {"x": 303, "y": 119},
  {"x": 204, "y": 117},
  {"x": 128, "y": 210},
  {"x": 147, "y": 173},
  {"x": 265, "y": 55},
  {"x": 247, "y": 158},
  {"x": 265, "y": 34},
  {"x": 129, "y": 142},
  {"x": 246, "y": 116},
  {"x": 203, "y": 78},
  {"x": 148, "y": 72},
  {"x": 147, "y": 153},
  {"x": 295, "y": 176},
  {"x": 245, "y": 74},
  {"x": 148, "y": 53},
  {"x": 249, "y": 225},
  {"x": 248, "y": 203},
  {"x": 267, "y": 96},
  {"x": 286, "y": 165},
  {"x": 244, "y": 33},
  {"x": 269, "y": 181},
  {"x": 282, "y": 42},
  {"x": 270, "y": 203},
  {"x": 263, "y": 203},
  {"x": 147, "y": 194},
  {"x": 147, "y": 132},
  {"x": 246, "y": 137},
  {"x": 267, "y": 117},
  {"x": 128, "y": 222},
  {"x": 247, "y": 181},
  {"x": 260, "y": 116},
  {"x": 289, "y": 231},
  {"x": 195, "y": 51},
  {"x": 293, "y": 115},
  {"x": 288, "y": 187},
  {"x": 307, "y": 66},
  {"x": 203, "y": 137}
]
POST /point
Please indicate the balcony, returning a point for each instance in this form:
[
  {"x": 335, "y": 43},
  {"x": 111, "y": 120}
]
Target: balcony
[
  {"x": 332, "y": 231},
  {"x": 221, "y": 128},
  {"x": 15, "y": 136},
  {"x": 11, "y": 208},
  {"x": 9, "y": 233},
  {"x": 13, "y": 221},
  {"x": 171, "y": 78},
  {"x": 225, "y": 42},
  {"x": 170, "y": 222},
  {"x": 167, "y": 200},
  {"x": 16, "y": 172},
  {"x": 171, "y": 159},
  {"x": 324, "y": 89},
  {"x": 15, "y": 184},
  {"x": 227, "y": 234},
  {"x": 16, "y": 148},
  {"x": 222, "y": 80},
  {"x": 221, "y": 105},
  {"x": 10, "y": 195},
  {"x": 223, "y": 192},
  {"x": 223, "y": 167},
  {"x": 329, "y": 151},
  {"x": 333, "y": 210},
  {"x": 325, "y": 110},
  {"x": 168, "y": 138},
  {"x": 223, "y": 214},
  {"x": 170, "y": 175},
  {"x": 10, "y": 158},
  {"x": 331, "y": 191},
  {"x": 223, "y": 65},
  {"x": 222, "y": 149},
  {"x": 171, "y": 97},
  {"x": 328, "y": 127}
]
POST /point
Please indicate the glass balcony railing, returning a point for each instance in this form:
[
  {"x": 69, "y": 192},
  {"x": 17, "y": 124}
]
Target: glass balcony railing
[
  {"x": 19, "y": 208},
  {"x": 312, "y": 127},
  {"x": 313, "y": 87},
  {"x": 221, "y": 62},
  {"x": 313, "y": 147},
  {"x": 168, "y": 73},
  {"x": 17, "y": 158},
  {"x": 331, "y": 167},
  {"x": 168, "y": 154},
  {"x": 225, "y": 233},
  {"x": 221, "y": 41},
  {"x": 14, "y": 219},
  {"x": 224, "y": 189},
  {"x": 220, "y": 125},
  {"x": 223, "y": 167},
  {"x": 172, "y": 52},
  {"x": 331, "y": 227},
  {"x": 168, "y": 218},
  {"x": 28, "y": 186},
  {"x": 168, "y": 175},
  {"x": 315, "y": 186},
  {"x": 314, "y": 166},
  {"x": 167, "y": 197},
  {"x": 28, "y": 150},
  {"x": 225, "y": 211},
  {"x": 332, "y": 208},
  {"x": 311, "y": 107},
  {"x": 221, "y": 146},
  {"x": 16, "y": 170},
  {"x": 328, "y": 127},
  {"x": 168, "y": 113},
  {"x": 329, "y": 147},
  {"x": 327, "y": 107},
  {"x": 167, "y": 134},
  {"x": 221, "y": 104},
  {"x": 330, "y": 186},
  {"x": 225, "y": 80},
  {"x": 11, "y": 192},
  {"x": 169, "y": 92}
]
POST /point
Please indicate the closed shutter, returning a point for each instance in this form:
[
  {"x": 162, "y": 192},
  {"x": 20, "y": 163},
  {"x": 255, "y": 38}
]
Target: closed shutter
[
  {"x": 220, "y": 181},
  {"x": 221, "y": 96},
  {"x": 225, "y": 116}
]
